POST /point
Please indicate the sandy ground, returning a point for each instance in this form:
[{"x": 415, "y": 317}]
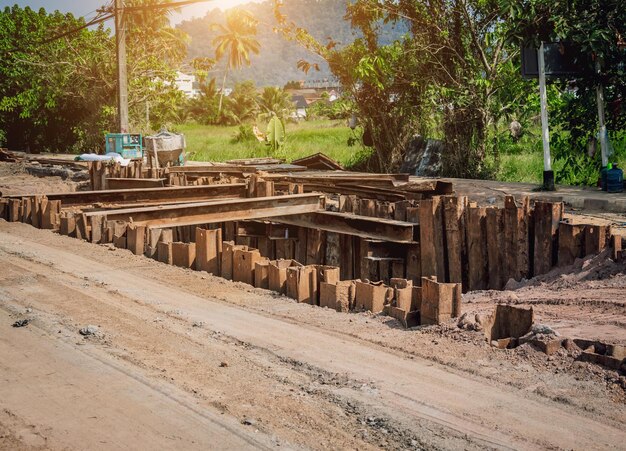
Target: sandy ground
[{"x": 185, "y": 360}]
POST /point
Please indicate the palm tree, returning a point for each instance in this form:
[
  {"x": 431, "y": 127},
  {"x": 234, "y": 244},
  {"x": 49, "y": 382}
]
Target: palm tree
[
  {"x": 237, "y": 40},
  {"x": 275, "y": 101}
]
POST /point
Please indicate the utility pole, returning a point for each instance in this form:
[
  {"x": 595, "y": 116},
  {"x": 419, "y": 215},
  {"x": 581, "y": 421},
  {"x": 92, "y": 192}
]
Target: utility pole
[
  {"x": 604, "y": 147},
  {"x": 548, "y": 173},
  {"x": 122, "y": 80}
]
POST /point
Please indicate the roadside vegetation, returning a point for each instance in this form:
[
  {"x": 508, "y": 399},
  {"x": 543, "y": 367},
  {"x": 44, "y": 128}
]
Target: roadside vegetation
[{"x": 59, "y": 94}]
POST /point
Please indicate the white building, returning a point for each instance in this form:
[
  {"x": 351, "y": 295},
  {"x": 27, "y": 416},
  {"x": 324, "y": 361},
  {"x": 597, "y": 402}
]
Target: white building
[{"x": 187, "y": 84}]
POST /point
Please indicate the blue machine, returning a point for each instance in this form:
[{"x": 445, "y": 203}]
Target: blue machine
[{"x": 128, "y": 145}]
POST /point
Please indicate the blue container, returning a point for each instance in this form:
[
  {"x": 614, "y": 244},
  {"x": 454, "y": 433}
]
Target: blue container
[
  {"x": 615, "y": 180},
  {"x": 126, "y": 144}
]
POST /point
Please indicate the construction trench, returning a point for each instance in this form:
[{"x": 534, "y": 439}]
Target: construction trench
[{"x": 347, "y": 241}]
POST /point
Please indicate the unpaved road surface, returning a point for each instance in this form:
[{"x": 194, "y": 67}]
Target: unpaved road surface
[{"x": 188, "y": 361}]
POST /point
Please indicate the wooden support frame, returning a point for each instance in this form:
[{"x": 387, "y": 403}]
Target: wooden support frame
[
  {"x": 349, "y": 224},
  {"x": 156, "y": 195},
  {"x": 218, "y": 211}
]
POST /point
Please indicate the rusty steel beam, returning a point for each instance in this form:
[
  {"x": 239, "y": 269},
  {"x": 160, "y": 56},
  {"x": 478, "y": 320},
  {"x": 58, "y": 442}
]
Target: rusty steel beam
[
  {"x": 216, "y": 211},
  {"x": 349, "y": 224},
  {"x": 146, "y": 195}
]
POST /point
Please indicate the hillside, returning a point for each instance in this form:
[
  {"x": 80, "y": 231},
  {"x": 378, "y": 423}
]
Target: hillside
[{"x": 276, "y": 64}]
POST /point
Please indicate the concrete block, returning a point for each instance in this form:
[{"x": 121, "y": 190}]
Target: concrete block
[
  {"x": 244, "y": 261},
  {"x": 372, "y": 296},
  {"x": 184, "y": 254}
]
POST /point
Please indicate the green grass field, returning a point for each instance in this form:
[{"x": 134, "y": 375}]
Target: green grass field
[
  {"x": 519, "y": 162},
  {"x": 216, "y": 143}
]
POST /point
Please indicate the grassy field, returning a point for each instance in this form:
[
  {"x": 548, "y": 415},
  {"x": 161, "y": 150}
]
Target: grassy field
[
  {"x": 519, "y": 162},
  {"x": 216, "y": 143}
]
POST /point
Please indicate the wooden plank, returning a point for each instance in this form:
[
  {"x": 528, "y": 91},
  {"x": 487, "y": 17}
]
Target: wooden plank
[
  {"x": 134, "y": 183},
  {"x": 218, "y": 211},
  {"x": 301, "y": 246},
  {"x": 135, "y": 239},
  {"x": 596, "y": 237},
  {"x": 27, "y": 208},
  {"x": 208, "y": 250},
  {"x": 454, "y": 223},
  {"x": 356, "y": 225},
  {"x": 548, "y": 215},
  {"x": 512, "y": 219},
  {"x": 495, "y": 247},
  {"x": 367, "y": 207},
  {"x": 129, "y": 196},
  {"x": 432, "y": 238},
  {"x": 346, "y": 256},
  {"x": 315, "y": 247},
  {"x": 262, "y": 274},
  {"x": 525, "y": 237},
  {"x": 244, "y": 261},
  {"x": 184, "y": 254},
  {"x": 477, "y": 248},
  {"x": 333, "y": 249},
  {"x": 164, "y": 252},
  {"x": 571, "y": 243},
  {"x": 15, "y": 206},
  {"x": 68, "y": 225},
  {"x": 363, "y": 269},
  {"x": 96, "y": 223},
  {"x": 413, "y": 262}
]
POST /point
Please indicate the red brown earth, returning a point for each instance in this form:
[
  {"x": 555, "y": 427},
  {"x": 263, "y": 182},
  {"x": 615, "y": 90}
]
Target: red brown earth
[{"x": 182, "y": 359}]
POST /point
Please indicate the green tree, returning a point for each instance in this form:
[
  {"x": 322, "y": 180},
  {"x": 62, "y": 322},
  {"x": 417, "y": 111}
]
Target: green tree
[
  {"x": 598, "y": 29},
  {"x": 275, "y": 101},
  {"x": 236, "y": 41},
  {"x": 241, "y": 106},
  {"x": 439, "y": 79},
  {"x": 155, "y": 53},
  {"x": 53, "y": 95}
]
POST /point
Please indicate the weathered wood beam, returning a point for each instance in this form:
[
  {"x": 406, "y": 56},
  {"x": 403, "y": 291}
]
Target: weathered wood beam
[
  {"x": 361, "y": 226},
  {"x": 217, "y": 211},
  {"x": 178, "y": 193}
]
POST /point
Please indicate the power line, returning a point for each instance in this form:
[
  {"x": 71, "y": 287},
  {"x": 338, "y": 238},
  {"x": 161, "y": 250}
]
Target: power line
[
  {"x": 95, "y": 21},
  {"x": 110, "y": 10},
  {"x": 178, "y": 4}
]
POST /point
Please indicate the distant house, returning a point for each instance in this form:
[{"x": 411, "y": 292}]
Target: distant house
[
  {"x": 187, "y": 84},
  {"x": 301, "y": 105}
]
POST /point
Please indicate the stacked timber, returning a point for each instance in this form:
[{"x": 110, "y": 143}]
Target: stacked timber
[{"x": 409, "y": 256}]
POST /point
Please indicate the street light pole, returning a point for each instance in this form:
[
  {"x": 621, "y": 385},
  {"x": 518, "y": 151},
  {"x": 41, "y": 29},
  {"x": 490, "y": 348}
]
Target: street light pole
[
  {"x": 122, "y": 80},
  {"x": 548, "y": 173}
]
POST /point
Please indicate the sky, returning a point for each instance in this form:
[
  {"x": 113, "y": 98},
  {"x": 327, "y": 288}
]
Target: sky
[{"x": 87, "y": 7}]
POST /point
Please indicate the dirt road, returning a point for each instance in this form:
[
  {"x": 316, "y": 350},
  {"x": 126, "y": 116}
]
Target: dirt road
[{"x": 184, "y": 360}]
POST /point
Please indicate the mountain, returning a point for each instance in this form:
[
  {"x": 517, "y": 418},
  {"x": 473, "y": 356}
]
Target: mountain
[{"x": 276, "y": 63}]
